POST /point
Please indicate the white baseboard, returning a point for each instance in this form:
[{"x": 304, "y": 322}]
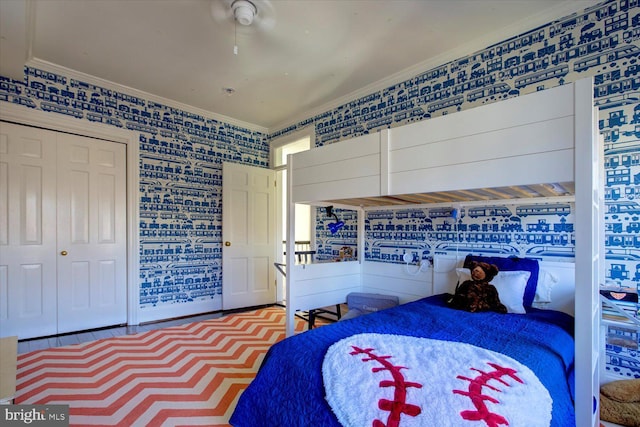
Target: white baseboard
[{"x": 171, "y": 311}]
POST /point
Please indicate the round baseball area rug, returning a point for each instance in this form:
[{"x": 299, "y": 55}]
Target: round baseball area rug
[{"x": 390, "y": 380}]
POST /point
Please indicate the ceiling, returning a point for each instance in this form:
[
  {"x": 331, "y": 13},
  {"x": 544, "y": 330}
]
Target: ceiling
[{"x": 298, "y": 58}]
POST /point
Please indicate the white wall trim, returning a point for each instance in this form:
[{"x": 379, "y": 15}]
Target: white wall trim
[
  {"x": 307, "y": 131},
  {"x": 30, "y": 117},
  {"x": 174, "y": 311},
  {"x": 274, "y": 144}
]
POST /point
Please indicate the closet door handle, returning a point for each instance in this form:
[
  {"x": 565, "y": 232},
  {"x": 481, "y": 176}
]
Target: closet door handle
[
  {"x": 64, "y": 253},
  {"x": 227, "y": 243}
]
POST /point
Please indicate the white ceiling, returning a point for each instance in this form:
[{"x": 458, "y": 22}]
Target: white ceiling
[{"x": 314, "y": 54}]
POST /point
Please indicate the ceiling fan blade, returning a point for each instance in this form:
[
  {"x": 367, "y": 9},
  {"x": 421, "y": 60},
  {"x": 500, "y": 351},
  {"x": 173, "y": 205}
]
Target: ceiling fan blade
[
  {"x": 266, "y": 16},
  {"x": 221, "y": 10}
]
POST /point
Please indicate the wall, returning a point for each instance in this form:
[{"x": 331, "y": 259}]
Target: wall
[
  {"x": 600, "y": 42},
  {"x": 181, "y": 155}
]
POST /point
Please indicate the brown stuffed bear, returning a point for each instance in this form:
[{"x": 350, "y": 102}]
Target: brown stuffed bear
[{"x": 478, "y": 294}]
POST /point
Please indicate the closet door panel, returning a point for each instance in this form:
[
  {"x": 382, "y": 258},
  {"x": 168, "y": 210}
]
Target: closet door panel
[
  {"x": 79, "y": 207},
  {"x": 27, "y": 231},
  {"x": 92, "y": 233}
]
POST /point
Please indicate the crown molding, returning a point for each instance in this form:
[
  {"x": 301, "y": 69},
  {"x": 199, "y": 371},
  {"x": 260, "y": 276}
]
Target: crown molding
[
  {"x": 559, "y": 11},
  {"x": 97, "y": 81}
]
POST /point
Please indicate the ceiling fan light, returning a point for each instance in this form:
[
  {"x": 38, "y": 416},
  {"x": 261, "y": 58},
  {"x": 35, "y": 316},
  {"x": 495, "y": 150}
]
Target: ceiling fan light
[{"x": 244, "y": 11}]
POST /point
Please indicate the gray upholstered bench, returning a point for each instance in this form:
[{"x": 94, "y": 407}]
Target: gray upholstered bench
[{"x": 360, "y": 303}]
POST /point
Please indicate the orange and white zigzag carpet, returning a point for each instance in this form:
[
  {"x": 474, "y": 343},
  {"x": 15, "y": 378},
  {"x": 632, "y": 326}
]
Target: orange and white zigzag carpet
[{"x": 189, "y": 375}]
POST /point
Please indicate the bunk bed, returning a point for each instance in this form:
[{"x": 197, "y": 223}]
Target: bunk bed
[{"x": 543, "y": 144}]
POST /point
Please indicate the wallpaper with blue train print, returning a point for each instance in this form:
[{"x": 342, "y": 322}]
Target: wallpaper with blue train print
[{"x": 181, "y": 155}]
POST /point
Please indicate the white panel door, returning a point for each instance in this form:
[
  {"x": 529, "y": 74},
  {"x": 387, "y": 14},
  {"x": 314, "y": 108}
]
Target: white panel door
[
  {"x": 27, "y": 231},
  {"x": 92, "y": 253},
  {"x": 249, "y": 234}
]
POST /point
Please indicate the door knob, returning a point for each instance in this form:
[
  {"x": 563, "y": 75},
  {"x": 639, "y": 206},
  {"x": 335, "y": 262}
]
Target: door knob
[
  {"x": 227, "y": 243},
  {"x": 63, "y": 253}
]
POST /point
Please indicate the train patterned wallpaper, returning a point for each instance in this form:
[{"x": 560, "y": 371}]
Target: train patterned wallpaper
[{"x": 181, "y": 155}]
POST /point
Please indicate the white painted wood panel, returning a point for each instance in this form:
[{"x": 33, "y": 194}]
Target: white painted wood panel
[
  {"x": 79, "y": 213},
  {"x": 589, "y": 231},
  {"x": 108, "y": 282},
  {"x": 327, "y": 299},
  {"x": 538, "y": 168},
  {"x": 509, "y": 143},
  {"x": 347, "y": 188},
  {"x": 107, "y": 208},
  {"x": 339, "y": 170},
  {"x": 563, "y": 292},
  {"x": 532, "y": 108},
  {"x": 361, "y": 146},
  {"x": 91, "y": 212},
  {"x": 28, "y": 253},
  {"x": 249, "y": 230},
  {"x": 407, "y": 282},
  {"x": 318, "y": 285},
  {"x": 80, "y": 285}
]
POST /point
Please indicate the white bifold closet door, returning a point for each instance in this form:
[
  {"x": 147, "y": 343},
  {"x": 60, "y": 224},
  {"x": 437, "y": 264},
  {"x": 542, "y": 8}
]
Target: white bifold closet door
[{"x": 62, "y": 232}]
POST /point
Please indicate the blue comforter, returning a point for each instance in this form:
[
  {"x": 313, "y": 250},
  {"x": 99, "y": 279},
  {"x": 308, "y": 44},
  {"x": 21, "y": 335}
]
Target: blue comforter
[{"x": 288, "y": 389}]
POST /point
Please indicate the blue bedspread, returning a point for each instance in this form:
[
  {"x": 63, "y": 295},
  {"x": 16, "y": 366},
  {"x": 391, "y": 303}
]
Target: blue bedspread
[{"x": 288, "y": 389}]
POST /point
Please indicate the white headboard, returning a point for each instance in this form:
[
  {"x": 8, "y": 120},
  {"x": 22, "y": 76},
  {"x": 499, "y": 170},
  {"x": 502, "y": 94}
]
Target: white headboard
[{"x": 562, "y": 294}]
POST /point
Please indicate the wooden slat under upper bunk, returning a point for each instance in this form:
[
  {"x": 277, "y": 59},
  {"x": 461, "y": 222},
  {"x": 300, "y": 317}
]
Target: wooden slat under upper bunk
[
  {"x": 481, "y": 194},
  {"x": 518, "y": 148}
]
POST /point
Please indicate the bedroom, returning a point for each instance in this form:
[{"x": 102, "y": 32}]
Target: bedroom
[{"x": 613, "y": 82}]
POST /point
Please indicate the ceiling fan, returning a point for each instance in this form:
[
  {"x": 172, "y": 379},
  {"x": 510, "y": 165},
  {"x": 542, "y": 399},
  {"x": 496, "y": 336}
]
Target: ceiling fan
[
  {"x": 258, "y": 14},
  {"x": 255, "y": 14}
]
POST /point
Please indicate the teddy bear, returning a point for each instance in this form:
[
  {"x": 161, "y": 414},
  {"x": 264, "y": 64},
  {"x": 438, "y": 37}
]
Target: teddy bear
[{"x": 478, "y": 294}]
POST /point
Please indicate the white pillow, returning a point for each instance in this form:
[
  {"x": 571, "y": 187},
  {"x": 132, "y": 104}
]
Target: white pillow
[
  {"x": 546, "y": 282},
  {"x": 463, "y": 274},
  {"x": 509, "y": 284}
]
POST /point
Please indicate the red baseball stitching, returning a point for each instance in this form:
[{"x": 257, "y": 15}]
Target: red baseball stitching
[
  {"x": 478, "y": 399},
  {"x": 399, "y": 405}
]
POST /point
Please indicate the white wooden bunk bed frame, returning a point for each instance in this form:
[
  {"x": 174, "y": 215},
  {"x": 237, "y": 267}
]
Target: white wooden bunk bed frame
[{"x": 544, "y": 144}]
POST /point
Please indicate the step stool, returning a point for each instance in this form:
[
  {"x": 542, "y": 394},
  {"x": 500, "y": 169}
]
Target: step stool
[{"x": 360, "y": 303}]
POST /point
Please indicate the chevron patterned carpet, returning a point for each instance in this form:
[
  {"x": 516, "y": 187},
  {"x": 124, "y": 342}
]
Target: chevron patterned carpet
[{"x": 186, "y": 375}]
